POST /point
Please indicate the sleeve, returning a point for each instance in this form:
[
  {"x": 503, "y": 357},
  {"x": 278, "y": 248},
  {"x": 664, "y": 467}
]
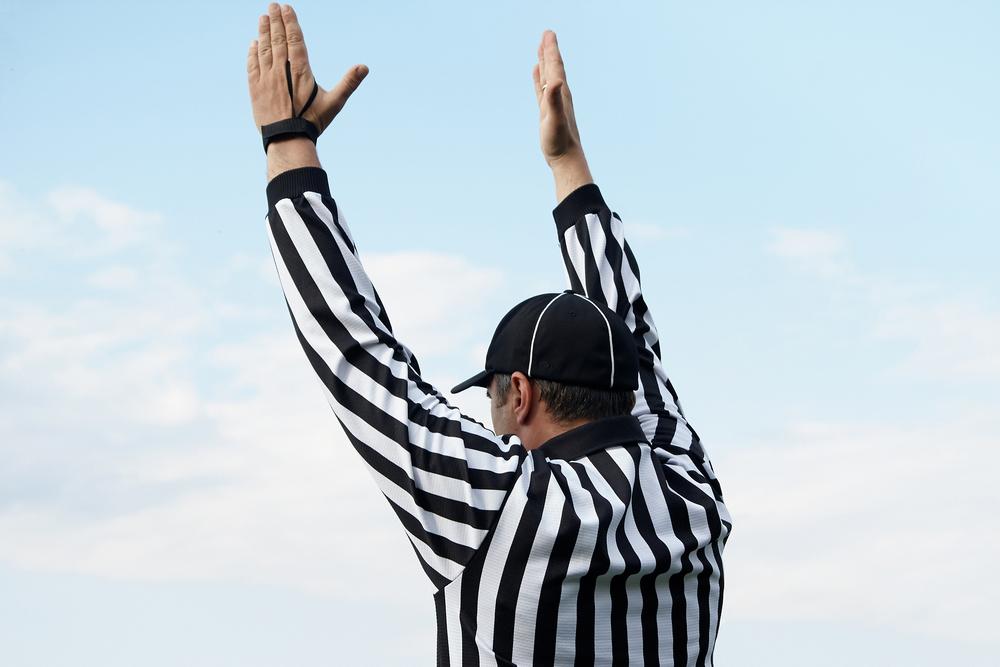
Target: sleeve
[
  {"x": 445, "y": 475},
  {"x": 600, "y": 265}
]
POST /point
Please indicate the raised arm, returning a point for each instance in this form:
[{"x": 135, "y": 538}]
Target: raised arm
[
  {"x": 599, "y": 261},
  {"x": 446, "y": 476}
]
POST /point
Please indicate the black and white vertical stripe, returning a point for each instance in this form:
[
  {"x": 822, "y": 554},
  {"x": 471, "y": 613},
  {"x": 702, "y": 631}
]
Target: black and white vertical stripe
[{"x": 601, "y": 549}]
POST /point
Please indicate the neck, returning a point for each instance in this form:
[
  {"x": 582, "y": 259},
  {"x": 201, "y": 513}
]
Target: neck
[{"x": 537, "y": 435}]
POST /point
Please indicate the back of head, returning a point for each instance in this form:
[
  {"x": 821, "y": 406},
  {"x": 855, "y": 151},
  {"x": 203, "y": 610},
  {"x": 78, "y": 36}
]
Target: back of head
[
  {"x": 568, "y": 403},
  {"x": 564, "y": 360}
]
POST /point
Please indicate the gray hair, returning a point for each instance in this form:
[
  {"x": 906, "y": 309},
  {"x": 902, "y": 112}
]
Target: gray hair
[{"x": 567, "y": 402}]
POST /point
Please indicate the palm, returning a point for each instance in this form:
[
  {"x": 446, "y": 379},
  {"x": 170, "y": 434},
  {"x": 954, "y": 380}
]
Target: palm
[
  {"x": 555, "y": 134},
  {"x": 557, "y": 127}
]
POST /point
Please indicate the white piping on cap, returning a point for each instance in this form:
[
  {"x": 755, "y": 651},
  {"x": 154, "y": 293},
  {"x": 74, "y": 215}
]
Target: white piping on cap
[
  {"x": 611, "y": 345},
  {"x": 531, "y": 350}
]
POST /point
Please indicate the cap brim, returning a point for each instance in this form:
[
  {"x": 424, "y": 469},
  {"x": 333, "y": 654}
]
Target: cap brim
[{"x": 480, "y": 379}]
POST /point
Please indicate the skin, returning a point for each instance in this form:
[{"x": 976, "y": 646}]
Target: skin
[
  {"x": 524, "y": 414},
  {"x": 280, "y": 38}
]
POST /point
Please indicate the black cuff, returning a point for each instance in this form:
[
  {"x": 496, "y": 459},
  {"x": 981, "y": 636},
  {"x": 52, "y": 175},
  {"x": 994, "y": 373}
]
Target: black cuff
[
  {"x": 294, "y": 182},
  {"x": 585, "y": 199}
]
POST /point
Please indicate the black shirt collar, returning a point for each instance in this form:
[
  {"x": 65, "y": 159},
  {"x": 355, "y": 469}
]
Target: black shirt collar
[{"x": 593, "y": 436}]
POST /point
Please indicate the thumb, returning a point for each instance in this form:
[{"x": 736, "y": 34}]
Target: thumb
[
  {"x": 329, "y": 103},
  {"x": 349, "y": 83}
]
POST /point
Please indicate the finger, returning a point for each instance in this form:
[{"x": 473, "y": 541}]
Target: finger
[
  {"x": 278, "y": 44},
  {"x": 553, "y": 59},
  {"x": 536, "y": 76},
  {"x": 253, "y": 63},
  {"x": 293, "y": 35},
  {"x": 264, "y": 41},
  {"x": 541, "y": 59},
  {"x": 348, "y": 84}
]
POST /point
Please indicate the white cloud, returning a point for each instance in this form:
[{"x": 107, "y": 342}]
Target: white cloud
[
  {"x": 882, "y": 524},
  {"x": 946, "y": 334},
  {"x": 957, "y": 338},
  {"x": 428, "y": 296},
  {"x": 806, "y": 244},
  {"x": 75, "y": 222},
  {"x": 117, "y": 225},
  {"x": 266, "y": 491},
  {"x": 114, "y": 277},
  {"x": 818, "y": 250}
]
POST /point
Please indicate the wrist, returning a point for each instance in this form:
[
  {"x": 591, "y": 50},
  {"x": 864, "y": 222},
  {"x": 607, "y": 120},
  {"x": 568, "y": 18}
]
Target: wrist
[
  {"x": 294, "y": 153},
  {"x": 571, "y": 159},
  {"x": 569, "y": 173}
]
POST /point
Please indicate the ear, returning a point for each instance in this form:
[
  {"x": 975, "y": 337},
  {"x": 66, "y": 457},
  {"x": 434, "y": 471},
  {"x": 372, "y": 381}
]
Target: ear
[{"x": 522, "y": 397}]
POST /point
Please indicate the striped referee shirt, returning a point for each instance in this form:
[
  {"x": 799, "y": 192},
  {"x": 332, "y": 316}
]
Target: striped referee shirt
[{"x": 602, "y": 546}]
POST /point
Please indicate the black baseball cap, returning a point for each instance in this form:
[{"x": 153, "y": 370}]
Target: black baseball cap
[{"x": 565, "y": 338}]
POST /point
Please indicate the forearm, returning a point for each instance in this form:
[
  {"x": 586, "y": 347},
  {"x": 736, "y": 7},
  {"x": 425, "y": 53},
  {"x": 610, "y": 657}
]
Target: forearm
[
  {"x": 290, "y": 154},
  {"x": 570, "y": 173}
]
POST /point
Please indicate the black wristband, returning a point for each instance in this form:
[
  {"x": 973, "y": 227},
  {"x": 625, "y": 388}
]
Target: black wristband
[
  {"x": 297, "y": 126},
  {"x": 290, "y": 127}
]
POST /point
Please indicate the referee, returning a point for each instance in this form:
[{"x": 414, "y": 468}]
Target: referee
[{"x": 591, "y": 529}]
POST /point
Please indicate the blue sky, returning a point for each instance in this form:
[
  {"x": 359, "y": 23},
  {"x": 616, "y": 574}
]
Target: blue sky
[{"x": 810, "y": 191}]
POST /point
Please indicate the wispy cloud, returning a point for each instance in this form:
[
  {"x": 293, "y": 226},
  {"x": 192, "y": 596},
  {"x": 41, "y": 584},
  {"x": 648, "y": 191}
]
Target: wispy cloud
[
  {"x": 956, "y": 337},
  {"x": 879, "y": 523},
  {"x": 117, "y": 224},
  {"x": 806, "y": 244},
  {"x": 945, "y": 333},
  {"x": 817, "y": 250},
  {"x": 423, "y": 291}
]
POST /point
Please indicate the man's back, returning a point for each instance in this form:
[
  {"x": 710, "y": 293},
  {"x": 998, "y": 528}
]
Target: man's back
[{"x": 612, "y": 555}]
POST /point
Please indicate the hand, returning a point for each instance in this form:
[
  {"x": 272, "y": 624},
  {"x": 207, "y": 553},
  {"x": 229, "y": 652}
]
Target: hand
[
  {"x": 559, "y": 136},
  {"x": 281, "y": 40}
]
